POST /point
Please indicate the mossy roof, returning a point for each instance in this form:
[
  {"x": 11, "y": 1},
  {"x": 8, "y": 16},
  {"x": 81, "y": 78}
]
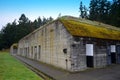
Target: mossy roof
[{"x": 84, "y": 28}]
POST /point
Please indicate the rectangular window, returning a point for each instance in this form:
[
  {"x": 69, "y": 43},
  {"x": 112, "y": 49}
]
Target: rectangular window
[
  {"x": 89, "y": 49},
  {"x": 113, "y": 48}
]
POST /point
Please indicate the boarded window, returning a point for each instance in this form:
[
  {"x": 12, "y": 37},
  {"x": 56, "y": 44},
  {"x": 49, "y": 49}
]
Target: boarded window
[
  {"x": 89, "y": 49},
  {"x": 113, "y": 48}
]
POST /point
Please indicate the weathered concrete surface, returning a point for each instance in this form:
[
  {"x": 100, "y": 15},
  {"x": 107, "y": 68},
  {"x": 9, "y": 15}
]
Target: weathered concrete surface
[
  {"x": 47, "y": 44},
  {"x": 108, "y": 73},
  {"x": 62, "y": 45}
]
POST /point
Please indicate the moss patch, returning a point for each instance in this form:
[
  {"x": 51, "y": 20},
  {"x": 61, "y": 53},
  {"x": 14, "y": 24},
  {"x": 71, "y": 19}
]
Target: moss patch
[{"x": 77, "y": 28}]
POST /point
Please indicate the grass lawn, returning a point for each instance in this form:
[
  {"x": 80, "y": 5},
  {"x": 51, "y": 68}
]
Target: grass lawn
[{"x": 12, "y": 69}]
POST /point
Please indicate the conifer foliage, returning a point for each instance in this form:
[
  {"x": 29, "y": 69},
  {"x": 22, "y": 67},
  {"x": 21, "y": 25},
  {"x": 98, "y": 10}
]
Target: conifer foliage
[
  {"x": 13, "y": 32},
  {"x": 105, "y": 11},
  {"x": 83, "y": 11}
]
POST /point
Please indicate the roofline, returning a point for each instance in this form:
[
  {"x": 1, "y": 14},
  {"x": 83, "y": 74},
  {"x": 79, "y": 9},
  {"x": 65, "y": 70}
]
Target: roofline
[
  {"x": 41, "y": 27},
  {"x": 59, "y": 19},
  {"x": 95, "y": 38}
]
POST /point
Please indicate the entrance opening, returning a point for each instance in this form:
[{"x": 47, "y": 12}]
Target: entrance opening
[
  {"x": 35, "y": 52},
  {"x": 89, "y": 55},
  {"x": 14, "y": 49},
  {"x": 90, "y": 61},
  {"x": 108, "y": 55},
  {"x": 118, "y": 53},
  {"x": 113, "y": 54},
  {"x": 113, "y": 57}
]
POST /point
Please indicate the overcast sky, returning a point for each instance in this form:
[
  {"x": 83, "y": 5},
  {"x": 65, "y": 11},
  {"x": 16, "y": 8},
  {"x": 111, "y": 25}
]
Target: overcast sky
[{"x": 12, "y": 9}]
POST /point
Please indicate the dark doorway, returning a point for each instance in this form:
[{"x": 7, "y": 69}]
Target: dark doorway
[
  {"x": 113, "y": 57},
  {"x": 108, "y": 55},
  {"x": 90, "y": 61},
  {"x": 111, "y": 54},
  {"x": 118, "y": 53}
]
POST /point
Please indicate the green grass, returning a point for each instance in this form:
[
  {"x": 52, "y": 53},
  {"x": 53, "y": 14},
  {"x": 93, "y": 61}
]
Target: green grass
[{"x": 12, "y": 69}]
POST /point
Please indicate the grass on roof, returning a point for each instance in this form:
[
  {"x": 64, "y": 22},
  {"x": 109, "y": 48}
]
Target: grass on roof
[
  {"x": 77, "y": 28},
  {"x": 12, "y": 69}
]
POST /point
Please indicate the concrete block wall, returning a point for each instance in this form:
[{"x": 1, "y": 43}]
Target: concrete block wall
[
  {"x": 100, "y": 60},
  {"x": 78, "y": 55},
  {"x": 52, "y": 39},
  {"x": 54, "y": 45},
  {"x": 100, "y": 56}
]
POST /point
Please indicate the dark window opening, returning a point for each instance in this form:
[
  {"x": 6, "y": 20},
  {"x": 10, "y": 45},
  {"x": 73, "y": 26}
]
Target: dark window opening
[{"x": 65, "y": 51}]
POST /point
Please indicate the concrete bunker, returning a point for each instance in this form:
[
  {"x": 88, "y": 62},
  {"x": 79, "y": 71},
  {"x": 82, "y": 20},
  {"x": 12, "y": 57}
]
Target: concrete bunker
[
  {"x": 72, "y": 44},
  {"x": 14, "y": 49}
]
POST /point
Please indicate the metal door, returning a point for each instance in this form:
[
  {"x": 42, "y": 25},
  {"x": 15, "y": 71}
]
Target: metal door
[{"x": 118, "y": 53}]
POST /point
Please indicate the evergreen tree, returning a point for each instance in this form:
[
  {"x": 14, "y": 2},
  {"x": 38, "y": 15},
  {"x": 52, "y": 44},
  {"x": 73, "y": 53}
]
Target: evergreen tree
[
  {"x": 100, "y": 10},
  {"x": 9, "y": 34},
  {"x": 39, "y": 22},
  {"x": 1, "y": 40},
  {"x": 107, "y": 13},
  {"x": 50, "y": 19},
  {"x": 44, "y": 21},
  {"x": 94, "y": 9},
  {"x": 83, "y": 10},
  {"x": 13, "y": 32},
  {"x": 115, "y": 13},
  {"x": 24, "y": 26},
  {"x": 23, "y": 19},
  {"x": 35, "y": 24},
  {"x": 103, "y": 9}
]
